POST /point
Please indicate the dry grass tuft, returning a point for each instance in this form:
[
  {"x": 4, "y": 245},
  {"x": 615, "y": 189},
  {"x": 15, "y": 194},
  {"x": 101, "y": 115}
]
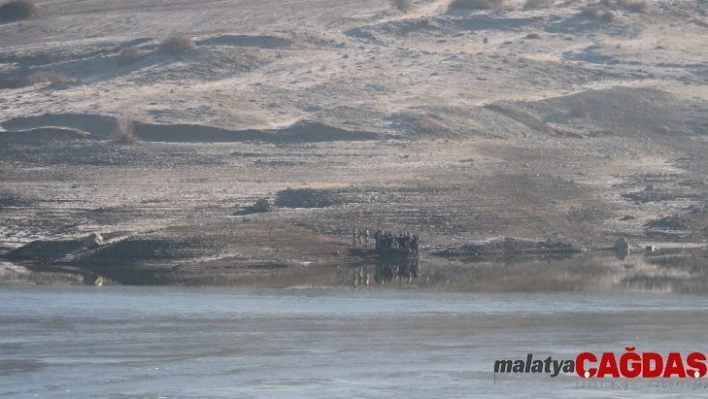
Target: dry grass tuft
[
  {"x": 598, "y": 11},
  {"x": 262, "y": 205},
  {"x": 536, "y": 4},
  {"x": 403, "y": 5},
  {"x": 177, "y": 45},
  {"x": 499, "y": 5},
  {"x": 124, "y": 132},
  {"x": 130, "y": 55},
  {"x": 18, "y": 10}
]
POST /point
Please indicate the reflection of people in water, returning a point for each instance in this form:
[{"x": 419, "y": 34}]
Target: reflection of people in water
[
  {"x": 361, "y": 277},
  {"x": 384, "y": 273},
  {"x": 405, "y": 272}
]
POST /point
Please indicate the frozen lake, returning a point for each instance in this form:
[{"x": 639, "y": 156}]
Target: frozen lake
[{"x": 137, "y": 342}]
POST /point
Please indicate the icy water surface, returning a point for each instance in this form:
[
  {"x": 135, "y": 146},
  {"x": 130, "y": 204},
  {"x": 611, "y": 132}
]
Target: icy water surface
[{"x": 122, "y": 342}]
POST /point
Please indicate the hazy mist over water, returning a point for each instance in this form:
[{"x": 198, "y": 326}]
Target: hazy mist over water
[{"x": 122, "y": 342}]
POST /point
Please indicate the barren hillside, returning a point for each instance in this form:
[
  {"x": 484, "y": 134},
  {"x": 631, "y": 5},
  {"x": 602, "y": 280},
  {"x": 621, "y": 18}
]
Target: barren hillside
[{"x": 579, "y": 123}]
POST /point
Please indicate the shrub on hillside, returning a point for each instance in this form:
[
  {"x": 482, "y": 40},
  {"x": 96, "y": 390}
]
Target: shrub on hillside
[
  {"x": 17, "y": 10},
  {"x": 130, "y": 55},
  {"x": 599, "y": 11},
  {"x": 177, "y": 44},
  {"x": 124, "y": 132},
  {"x": 262, "y": 205}
]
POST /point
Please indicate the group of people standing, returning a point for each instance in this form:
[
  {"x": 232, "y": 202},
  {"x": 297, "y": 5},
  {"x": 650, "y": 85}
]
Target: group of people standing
[
  {"x": 403, "y": 242},
  {"x": 361, "y": 237}
]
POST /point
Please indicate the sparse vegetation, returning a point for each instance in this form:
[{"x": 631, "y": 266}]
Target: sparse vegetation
[
  {"x": 403, "y": 5},
  {"x": 124, "y": 132},
  {"x": 262, "y": 205},
  {"x": 130, "y": 55},
  {"x": 18, "y": 10},
  {"x": 177, "y": 44},
  {"x": 599, "y": 11},
  {"x": 536, "y": 4},
  {"x": 533, "y": 36},
  {"x": 500, "y": 5}
]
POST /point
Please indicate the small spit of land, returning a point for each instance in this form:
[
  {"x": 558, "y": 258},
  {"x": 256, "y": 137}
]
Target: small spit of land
[{"x": 517, "y": 143}]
